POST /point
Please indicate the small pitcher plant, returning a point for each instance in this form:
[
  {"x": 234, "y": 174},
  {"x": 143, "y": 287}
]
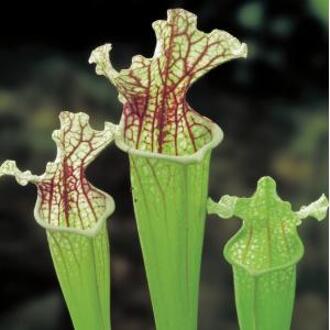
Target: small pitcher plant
[
  {"x": 74, "y": 214},
  {"x": 264, "y": 254},
  {"x": 169, "y": 147}
]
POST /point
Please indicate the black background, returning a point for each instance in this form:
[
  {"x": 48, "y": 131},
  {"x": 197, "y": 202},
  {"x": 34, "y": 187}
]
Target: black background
[{"x": 272, "y": 108}]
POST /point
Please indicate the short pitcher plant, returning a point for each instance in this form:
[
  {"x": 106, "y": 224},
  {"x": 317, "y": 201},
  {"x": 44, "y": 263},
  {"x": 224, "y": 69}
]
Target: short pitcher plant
[
  {"x": 169, "y": 147},
  {"x": 74, "y": 215},
  {"x": 264, "y": 254}
]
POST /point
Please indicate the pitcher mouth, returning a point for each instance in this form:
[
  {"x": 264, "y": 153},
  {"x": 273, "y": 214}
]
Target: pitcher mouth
[
  {"x": 296, "y": 258},
  {"x": 109, "y": 209},
  {"x": 217, "y": 137}
]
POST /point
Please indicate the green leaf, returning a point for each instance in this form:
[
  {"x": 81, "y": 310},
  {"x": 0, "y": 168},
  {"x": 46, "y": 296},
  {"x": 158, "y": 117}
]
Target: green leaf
[
  {"x": 156, "y": 116},
  {"x": 74, "y": 212}
]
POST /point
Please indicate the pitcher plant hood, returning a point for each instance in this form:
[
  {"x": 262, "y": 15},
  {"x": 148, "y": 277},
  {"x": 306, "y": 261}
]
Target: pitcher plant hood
[
  {"x": 66, "y": 200},
  {"x": 268, "y": 239},
  {"x": 156, "y": 115}
]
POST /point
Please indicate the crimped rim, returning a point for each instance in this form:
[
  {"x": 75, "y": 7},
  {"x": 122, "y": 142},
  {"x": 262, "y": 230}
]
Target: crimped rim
[
  {"x": 217, "y": 137},
  {"x": 296, "y": 259},
  {"x": 89, "y": 232}
]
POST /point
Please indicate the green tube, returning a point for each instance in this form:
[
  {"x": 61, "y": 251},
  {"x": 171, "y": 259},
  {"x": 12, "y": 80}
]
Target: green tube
[
  {"x": 170, "y": 195},
  {"x": 74, "y": 214},
  {"x": 264, "y": 254},
  {"x": 169, "y": 147},
  {"x": 265, "y": 301},
  {"x": 83, "y": 270}
]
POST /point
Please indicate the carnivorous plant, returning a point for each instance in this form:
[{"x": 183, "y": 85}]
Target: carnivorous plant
[
  {"x": 264, "y": 254},
  {"x": 169, "y": 147},
  {"x": 73, "y": 212}
]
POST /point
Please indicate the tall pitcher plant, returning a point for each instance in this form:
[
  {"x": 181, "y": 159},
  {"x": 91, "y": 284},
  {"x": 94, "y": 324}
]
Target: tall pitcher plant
[{"x": 169, "y": 147}]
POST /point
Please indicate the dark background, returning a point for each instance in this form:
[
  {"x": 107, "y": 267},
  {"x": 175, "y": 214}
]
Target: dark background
[{"x": 272, "y": 108}]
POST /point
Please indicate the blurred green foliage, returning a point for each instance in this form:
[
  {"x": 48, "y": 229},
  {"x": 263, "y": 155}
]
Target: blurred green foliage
[
  {"x": 321, "y": 9},
  {"x": 273, "y": 108}
]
